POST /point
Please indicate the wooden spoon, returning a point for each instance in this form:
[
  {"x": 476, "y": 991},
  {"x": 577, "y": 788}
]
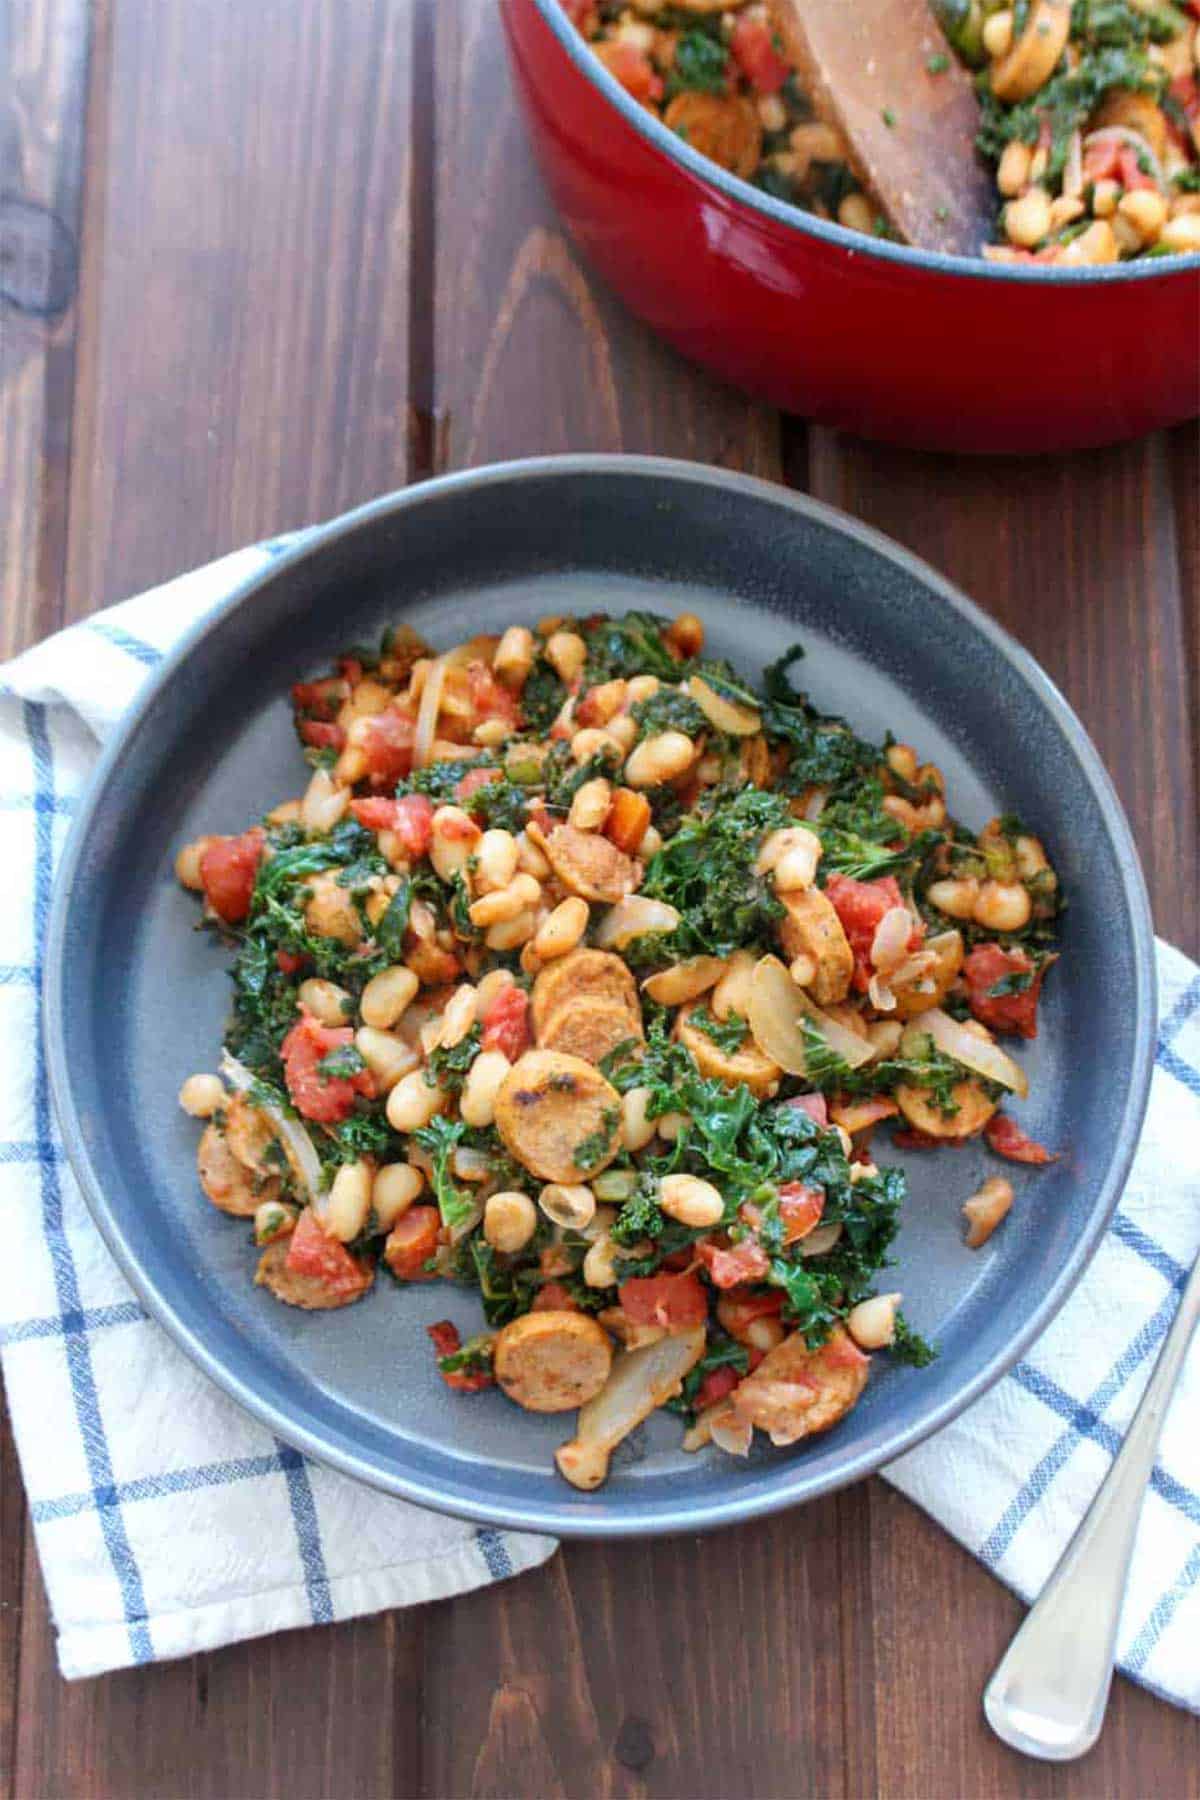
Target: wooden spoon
[{"x": 885, "y": 77}]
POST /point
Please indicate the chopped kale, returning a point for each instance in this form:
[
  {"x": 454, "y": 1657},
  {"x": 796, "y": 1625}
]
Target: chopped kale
[
  {"x": 701, "y": 63},
  {"x": 706, "y": 871},
  {"x": 341, "y": 1064},
  {"x": 631, "y": 645},
  {"x": 440, "y": 1138},
  {"x": 727, "y": 1034},
  {"x": 542, "y": 697},
  {"x": 908, "y": 1346},
  {"x": 596, "y": 1145},
  {"x": 670, "y": 709},
  {"x": 448, "y": 1065}
]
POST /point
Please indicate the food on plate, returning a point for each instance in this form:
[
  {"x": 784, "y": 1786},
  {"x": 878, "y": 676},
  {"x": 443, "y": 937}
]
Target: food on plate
[
  {"x": 1089, "y": 113},
  {"x": 582, "y": 974}
]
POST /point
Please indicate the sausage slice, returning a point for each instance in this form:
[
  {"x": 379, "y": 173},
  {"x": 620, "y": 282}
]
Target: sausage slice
[
  {"x": 796, "y": 1392},
  {"x": 552, "y": 1361},
  {"x": 747, "y": 1065},
  {"x": 550, "y": 1108},
  {"x": 589, "y": 865}
]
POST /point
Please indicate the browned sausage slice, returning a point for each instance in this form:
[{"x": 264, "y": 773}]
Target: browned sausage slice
[
  {"x": 748, "y": 1065},
  {"x": 306, "y": 1291},
  {"x": 590, "y": 974},
  {"x": 552, "y": 1361},
  {"x": 796, "y": 1392},
  {"x": 551, "y": 1108},
  {"x": 227, "y": 1182},
  {"x": 589, "y": 865}
]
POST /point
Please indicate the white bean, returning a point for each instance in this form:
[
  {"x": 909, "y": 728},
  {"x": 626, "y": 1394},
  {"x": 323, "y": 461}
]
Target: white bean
[
  {"x": 328, "y": 1003},
  {"x": 397, "y": 1185},
  {"x": 513, "y": 658},
  {"x": 388, "y": 1057},
  {"x": 488, "y": 988},
  {"x": 636, "y": 1128},
  {"x": 485, "y": 1077},
  {"x": 496, "y": 857},
  {"x": 455, "y": 836},
  {"x": 599, "y": 1265},
  {"x": 458, "y": 1017},
  {"x": 561, "y": 929},
  {"x": 1003, "y": 906},
  {"x": 670, "y": 1125},
  {"x": 348, "y": 1201},
  {"x": 510, "y": 934},
  {"x": 509, "y": 1221},
  {"x": 187, "y": 863},
  {"x": 985, "y": 1209},
  {"x": 202, "y": 1095},
  {"x": 660, "y": 758},
  {"x": 521, "y": 893},
  {"x": 387, "y": 995},
  {"x": 324, "y": 802},
  {"x": 566, "y": 653},
  {"x": 589, "y": 807},
  {"x": 693, "y": 1202},
  {"x": 413, "y": 1103},
  {"x": 872, "y": 1323},
  {"x": 676, "y": 986}
]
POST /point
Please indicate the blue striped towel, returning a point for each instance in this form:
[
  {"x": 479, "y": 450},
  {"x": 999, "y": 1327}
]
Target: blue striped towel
[{"x": 168, "y": 1522}]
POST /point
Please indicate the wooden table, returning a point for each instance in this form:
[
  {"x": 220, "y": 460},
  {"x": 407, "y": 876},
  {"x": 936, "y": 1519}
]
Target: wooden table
[{"x": 315, "y": 264}]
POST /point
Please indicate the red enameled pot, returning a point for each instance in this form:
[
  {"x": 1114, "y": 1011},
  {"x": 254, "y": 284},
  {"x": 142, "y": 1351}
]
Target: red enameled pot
[{"x": 929, "y": 351}]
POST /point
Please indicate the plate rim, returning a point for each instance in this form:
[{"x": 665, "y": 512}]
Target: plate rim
[{"x": 640, "y": 1518}]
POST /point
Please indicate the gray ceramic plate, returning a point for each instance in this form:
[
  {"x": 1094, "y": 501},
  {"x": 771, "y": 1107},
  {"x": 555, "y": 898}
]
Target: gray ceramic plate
[{"x": 136, "y": 997}]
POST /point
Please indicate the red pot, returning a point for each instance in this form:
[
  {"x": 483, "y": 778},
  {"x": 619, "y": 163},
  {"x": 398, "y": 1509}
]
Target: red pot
[{"x": 931, "y": 351}]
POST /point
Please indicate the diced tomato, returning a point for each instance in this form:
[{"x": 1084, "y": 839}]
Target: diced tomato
[
  {"x": 717, "y": 1385},
  {"x": 471, "y": 783},
  {"x": 411, "y": 818},
  {"x": 319, "y": 735},
  {"x": 728, "y": 1268},
  {"x": 327, "y": 1099},
  {"x": 753, "y": 45},
  {"x": 813, "y": 1104},
  {"x": 288, "y": 961},
  {"x": 554, "y": 1297},
  {"x": 312, "y": 1252},
  {"x": 388, "y": 747},
  {"x": 800, "y": 1208},
  {"x": 860, "y": 1115},
  {"x": 411, "y": 1242},
  {"x": 860, "y": 905},
  {"x": 542, "y": 818},
  {"x": 506, "y": 1022},
  {"x": 490, "y": 699},
  {"x": 632, "y": 68},
  {"x": 1006, "y": 1138},
  {"x": 350, "y": 669},
  {"x": 628, "y": 819},
  {"x": 989, "y": 964},
  {"x": 319, "y": 699},
  {"x": 227, "y": 870},
  {"x": 674, "y": 1301},
  {"x": 446, "y": 1341}
]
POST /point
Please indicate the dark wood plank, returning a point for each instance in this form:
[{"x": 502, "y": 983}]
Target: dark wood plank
[
  {"x": 243, "y": 367},
  {"x": 1087, "y": 562},
  {"x": 244, "y": 361}
]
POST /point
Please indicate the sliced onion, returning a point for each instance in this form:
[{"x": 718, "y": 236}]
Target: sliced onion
[
  {"x": 726, "y": 715},
  {"x": 980, "y": 1055},
  {"x": 777, "y": 1012},
  {"x": 889, "y": 946},
  {"x": 640, "y": 1381},
  {"x": 632, "y": 917},
  {"x": 1072, "y": 181},
  {"x": 290, "y": 1132},
  {"x": 730, "y": 1432},
  {"x": 1132, "y": 140},
  {"x": 427, "y": 712},
  {"x": 470, "y": 1165},
  {"x": 814, "y": 806},
  {"x": 821, "y": 1240}
]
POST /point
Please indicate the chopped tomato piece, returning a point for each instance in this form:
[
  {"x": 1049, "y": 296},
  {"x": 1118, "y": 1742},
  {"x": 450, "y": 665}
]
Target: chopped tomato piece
[
  {"x": 447, "y": 1342},
  {"x": 471, "y": 783},
  {"x": 388, "y": 747},
  {"x": 717, "y": 1385},
  {"x": 411, "y": 818},
  {"x": 984, "y": 969},
  {"x": 554, "y": 1297},
  {"x": 312, "y": 1252},
  {"x": 673, "y": 1301},
  {"x": 327, "y": 1099},
  {"x": 860, "y": 1115},
  {"x": 490, "y": 699},
  {"x": 319, "y": 735},
  {"x": 815, "y": 1105},
  {"x": 506, "y": 1022},
  {"x": 628, "y": 819},
  {"x": 860, "y": 905},
  {"x": 350, "y": 669},
  {"x": 632, "y": 68},
  {"x": 800, "y": 1208},
  {"x": 1006, "y": 1138},
  {"x": 411, "y": 1242},
  {"x": 319, "y": 699},
  {"x": 227, "y": 870},
  {"x": 728, "y": 1268},
  {"x": 288, "y": 961},
  {"x": 738, "y": 1310},
  {"x": 753, "y": 46}
]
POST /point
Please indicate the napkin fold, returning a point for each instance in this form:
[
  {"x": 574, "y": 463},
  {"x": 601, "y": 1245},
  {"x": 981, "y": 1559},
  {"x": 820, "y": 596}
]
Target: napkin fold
[{"x": 167, "y": 1521}]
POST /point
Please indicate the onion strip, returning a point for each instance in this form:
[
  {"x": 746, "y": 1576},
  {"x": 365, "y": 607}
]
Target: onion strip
[
  {"x": 293, "y": 1137},
  {"x": 427, "y": 712},
  {"x": 777, "y": 1013},
  {"x": 980, "y": 1055}
]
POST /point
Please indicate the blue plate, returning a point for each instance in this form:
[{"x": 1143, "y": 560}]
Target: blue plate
[{"x": 136, "y": 997}]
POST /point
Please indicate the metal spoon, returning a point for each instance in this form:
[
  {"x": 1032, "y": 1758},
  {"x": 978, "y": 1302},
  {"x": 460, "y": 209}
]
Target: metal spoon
[{"x": 1049, "y": 1693}]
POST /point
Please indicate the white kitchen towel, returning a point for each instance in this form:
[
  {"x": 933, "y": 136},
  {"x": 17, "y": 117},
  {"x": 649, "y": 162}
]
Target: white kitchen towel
[{"x": 168, "y": 1522}]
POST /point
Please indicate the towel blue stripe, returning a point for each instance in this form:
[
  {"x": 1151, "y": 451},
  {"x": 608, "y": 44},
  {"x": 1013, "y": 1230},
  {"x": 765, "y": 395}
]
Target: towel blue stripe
[
  {"x": 125, "y": 640},
  {"x": 494, "y": 1551},
  {"x": 51, "y": 804},
  {"x": 16, "y": 975},
  {"x": 308, "y": 1533},
  {"x": 1162, "y": 1613},
  {"x": 1187, "y": 1003},
  {"x": 1175, "y": 1065},
  {"x": 24, "y": 1331},
  {"x": 154, "y": 1487},
  {"x": 1134, "y": 1238},
  {"x": 66, "y": 1283},
  {"x": 17, "y": 1152}
]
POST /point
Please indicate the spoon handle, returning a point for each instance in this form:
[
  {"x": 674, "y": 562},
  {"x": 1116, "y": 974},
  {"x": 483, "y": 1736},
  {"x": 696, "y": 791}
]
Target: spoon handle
[{"x": 1048, "y": 1695}]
